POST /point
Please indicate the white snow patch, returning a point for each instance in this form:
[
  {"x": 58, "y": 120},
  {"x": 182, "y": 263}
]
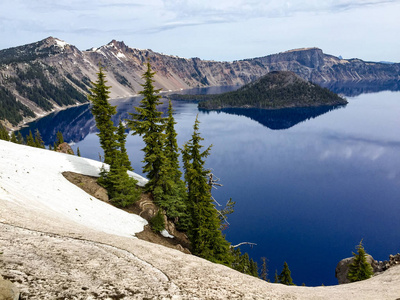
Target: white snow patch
[
  {"x": 116, "y": 56},
  {"x": 166, "y": 234},
  {"x": 32, "y": 177},
  {"x": 121, "y": 55},
  {"x": 61, "y": 43},
  {"x": 101, "y": 52}
]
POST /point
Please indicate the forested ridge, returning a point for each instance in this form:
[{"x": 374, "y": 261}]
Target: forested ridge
[{"x": 277, "y": 89}]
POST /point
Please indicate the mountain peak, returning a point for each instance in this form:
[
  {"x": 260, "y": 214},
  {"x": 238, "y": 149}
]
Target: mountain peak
[{"x": 304, "y": 49}]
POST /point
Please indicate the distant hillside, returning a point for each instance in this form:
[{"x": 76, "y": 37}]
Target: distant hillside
[
  {"x": 48, "y": 75},
  {"x": 278, "y": 89}
]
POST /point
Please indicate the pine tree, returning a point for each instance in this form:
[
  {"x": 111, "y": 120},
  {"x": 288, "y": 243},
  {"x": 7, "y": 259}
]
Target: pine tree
[
  {"x": 171, "y": 145},
  {"x": 121, "y": 188},
  {"x": 30, "y": 141},
  {"x": 359, "y": 269},
  {"x": 38, "y": 139},
  {"x": 78, "y": 152},
  {"x": 276, "y": 279},
  {"x": 264, "y": 269},
  {"x": 20, "y": 138},
  {"x": 204, "y": 232},
  {"x": 13, "y": 138},
  {"x": 285, "y": 277},
  {"x": 102, "y": 112},
  {"x": 149, "y": 124},
  {"x": 173, "y": 200},
  {"x": 121, "y": 139},
  {"x": 59, "y": 140},
  {"x": 253, "y": 268},
  {"x": 4, "y": 133}
]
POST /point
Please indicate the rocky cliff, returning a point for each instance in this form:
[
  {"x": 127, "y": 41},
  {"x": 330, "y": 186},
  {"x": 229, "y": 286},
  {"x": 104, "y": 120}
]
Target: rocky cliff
[{"x": 38, "y": 78}]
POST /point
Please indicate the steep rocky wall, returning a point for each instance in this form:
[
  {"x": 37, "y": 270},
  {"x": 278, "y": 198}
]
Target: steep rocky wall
[{"x": 68, "y": 69}]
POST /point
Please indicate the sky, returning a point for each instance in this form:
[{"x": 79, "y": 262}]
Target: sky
[{"x": 222, "y": 30}]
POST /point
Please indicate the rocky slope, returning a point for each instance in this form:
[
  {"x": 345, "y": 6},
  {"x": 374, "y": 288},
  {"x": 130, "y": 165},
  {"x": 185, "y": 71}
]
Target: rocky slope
[{"x": 50, "y": 74}]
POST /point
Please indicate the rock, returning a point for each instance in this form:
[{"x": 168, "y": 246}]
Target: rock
[
  {"x": 8, "y": 291},
  {"x": 65, "y": 148},
  {"x": 88, "y": 184},
  {"x": 342, "y": 268}
]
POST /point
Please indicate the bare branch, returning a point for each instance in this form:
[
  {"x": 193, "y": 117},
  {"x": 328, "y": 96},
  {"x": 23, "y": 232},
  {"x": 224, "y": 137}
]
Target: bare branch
[
  {"x": 212, "y": 197},
  {"x": 244, "y": 243}
]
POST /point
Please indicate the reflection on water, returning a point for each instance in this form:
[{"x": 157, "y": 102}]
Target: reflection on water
[
  {"x": 280, "y": 118},
  {"x": 355, "y": 88},
  {"x": 77, "y": 122},
  {"x": 74, "y": 123}
]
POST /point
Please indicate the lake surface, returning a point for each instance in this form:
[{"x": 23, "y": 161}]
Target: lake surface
[{"x": 308, "y": 184}]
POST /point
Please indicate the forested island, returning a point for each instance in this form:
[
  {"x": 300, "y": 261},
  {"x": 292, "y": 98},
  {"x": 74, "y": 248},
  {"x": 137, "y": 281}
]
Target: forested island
[{"x": 277, "y": 89}]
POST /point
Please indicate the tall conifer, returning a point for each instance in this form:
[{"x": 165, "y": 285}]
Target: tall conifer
[
  {"x": 120, "y": 186},
  {"x": 20, "y": 138},
  {"x": 30, "y": 141},
  {"x": 102, "y": 111},
  {"x": 4, "y": 133},
  {"x": 174, "y": 194},
  {"x": 204, "y": 233},
  {"x": 149, "y": 124},
  {"x": 38, "y": 139},
  {"x": 13, "y": 138},
  {"x": 264, "y": 269},
  {"x": 285, "y": 276},
  {"x": 121, "y": 139}
]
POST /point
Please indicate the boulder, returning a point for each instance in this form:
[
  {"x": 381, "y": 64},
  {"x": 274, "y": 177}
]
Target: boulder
[
  {"x": 65, "y": 148},
  {"x": 342, "y": 268},
  {"x": 8, "y": 291}
]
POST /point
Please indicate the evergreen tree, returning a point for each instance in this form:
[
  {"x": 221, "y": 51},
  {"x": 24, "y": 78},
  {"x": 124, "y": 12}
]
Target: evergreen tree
[
  {"x": 59, "y": 140},
  {"x": 242, "y": 263},
  {"x": 78, "y": 152},
  {"x": 13, "y": 138},
  {"x": 30, "y": 141},
  {"x": 253, "y": 268},
  {"x": 285, "y": 277},
  {"x": 173, "y": 200},
  {"x": 4, "y": 133},
  {"x": 20, "y": 138},
  {"x": 102, "y": 112},
  {"x": 121, "y": 188},
  {"x": 121, "y": 139},
  {"x": 204, "y": 232},
  {"x": 160, "y": 152},
  {"x": 276, "y": 279},
  {"x": 38, "y": 139},
  {"x": 359, "y": 269},
  {"x": 149, "y": 124},
  {"x": 264, "y": 269},
  {"x": 171, "y": 145}
]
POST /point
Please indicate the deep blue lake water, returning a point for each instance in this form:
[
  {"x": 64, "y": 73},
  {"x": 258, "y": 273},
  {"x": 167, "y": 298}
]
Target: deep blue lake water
[{"x": 309, "y": 184}]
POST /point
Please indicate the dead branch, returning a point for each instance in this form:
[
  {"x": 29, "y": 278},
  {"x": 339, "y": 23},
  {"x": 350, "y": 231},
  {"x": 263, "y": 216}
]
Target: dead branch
[{"x": 244, "y": 243}]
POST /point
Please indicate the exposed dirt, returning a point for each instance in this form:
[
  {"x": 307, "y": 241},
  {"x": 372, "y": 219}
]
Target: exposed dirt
[{"x": 144, "y": 207}]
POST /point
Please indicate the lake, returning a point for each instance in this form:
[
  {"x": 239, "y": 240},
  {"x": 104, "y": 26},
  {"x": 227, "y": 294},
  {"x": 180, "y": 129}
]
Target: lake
[{"x": 309, "y": 184}]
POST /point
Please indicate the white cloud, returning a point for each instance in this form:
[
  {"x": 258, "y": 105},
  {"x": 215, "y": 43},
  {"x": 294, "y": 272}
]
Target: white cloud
[{"x": 220, "y": 30}]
